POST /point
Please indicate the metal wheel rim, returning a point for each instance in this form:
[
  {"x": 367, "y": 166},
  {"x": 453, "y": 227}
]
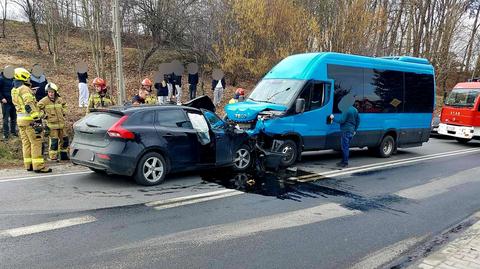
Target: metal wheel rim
[
  {"x": 388, "y": 147},
  {"x": 288, "y": 152},
  {"x": 153, "y": 169},
  {"x": 242, "y": 158}
]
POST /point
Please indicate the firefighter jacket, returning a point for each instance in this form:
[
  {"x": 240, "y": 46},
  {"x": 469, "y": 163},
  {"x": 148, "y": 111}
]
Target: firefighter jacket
[
  {"x": 25, "y": 105},
  {"x": 150, "y": 100},
  {"x": 54, "y": 112},
  {"x": 98, "y": 101}
]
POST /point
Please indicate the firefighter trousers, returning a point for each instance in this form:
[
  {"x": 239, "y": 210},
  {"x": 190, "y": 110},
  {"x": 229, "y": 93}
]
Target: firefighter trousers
[
  {"x": 58, "y": 144},
  {"x": 32, "y": 148}
]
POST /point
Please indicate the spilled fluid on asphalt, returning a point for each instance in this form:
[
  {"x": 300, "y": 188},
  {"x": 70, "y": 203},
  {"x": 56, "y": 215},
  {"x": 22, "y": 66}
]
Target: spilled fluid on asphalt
[{"x": 288, "y": 185}]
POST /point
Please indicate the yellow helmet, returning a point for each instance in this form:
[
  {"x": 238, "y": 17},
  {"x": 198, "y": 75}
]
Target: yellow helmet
[
  {"x": 21, "y": 74},
  {"x": 51, "y": 86}
]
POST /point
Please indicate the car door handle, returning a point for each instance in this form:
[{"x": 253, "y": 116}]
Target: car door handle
[{"x": 168, "y": 135}]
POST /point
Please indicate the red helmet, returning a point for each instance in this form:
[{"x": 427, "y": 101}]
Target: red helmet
[
  {"x": 147, "y": 82},
  {"x": 240, "y": 91},
  {"x": 99, "y": 82}
]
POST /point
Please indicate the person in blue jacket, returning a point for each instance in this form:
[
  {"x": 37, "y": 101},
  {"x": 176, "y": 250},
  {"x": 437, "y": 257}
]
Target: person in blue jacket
[
  {"x": 349, "y": 121},
  {"x": 8, "y": 109}
]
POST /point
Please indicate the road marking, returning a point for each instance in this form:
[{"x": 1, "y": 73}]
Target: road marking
[
  {"x": 48, "y": 226},
  {"x": 440, "y": 186},
  {"x": 376, "y": 166},
  {"x": 387, "y": 254},
  {"x": 192, "y": 199},
  {"x": 44, "y": 176}
]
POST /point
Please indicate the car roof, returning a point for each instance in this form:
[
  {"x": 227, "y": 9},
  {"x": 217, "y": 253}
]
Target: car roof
[{"x": 129, "y": 109}]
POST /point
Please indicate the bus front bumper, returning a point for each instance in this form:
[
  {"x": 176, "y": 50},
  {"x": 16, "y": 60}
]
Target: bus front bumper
[{"x": 467, "y": 132}]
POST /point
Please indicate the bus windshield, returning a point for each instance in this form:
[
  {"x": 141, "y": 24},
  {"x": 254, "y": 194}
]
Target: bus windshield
[
  {"x": 277, "y": 91},
  {"x": 462, "y": 97}
]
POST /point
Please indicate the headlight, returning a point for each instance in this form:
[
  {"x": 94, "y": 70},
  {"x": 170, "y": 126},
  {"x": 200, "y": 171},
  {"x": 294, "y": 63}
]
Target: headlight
[{"x": 265, "y": 115}]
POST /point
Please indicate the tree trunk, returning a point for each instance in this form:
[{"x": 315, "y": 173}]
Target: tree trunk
[
  {"x": 4, "y": 18},
  {"x": 472, "y": 39}
]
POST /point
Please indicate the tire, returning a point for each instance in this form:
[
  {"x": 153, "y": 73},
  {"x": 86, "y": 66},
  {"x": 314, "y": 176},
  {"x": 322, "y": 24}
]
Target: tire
[
  {"x": 243, "y": 159},
  {"x": 387, "y": 147},
  {"x": 463, "y": 140},
  {"x": 289, "y": 148},
  {"x": 151, "y": 169},
  {"x": 98, "y": 171}
]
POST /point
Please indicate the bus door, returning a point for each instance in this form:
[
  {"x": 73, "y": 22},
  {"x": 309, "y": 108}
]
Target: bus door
[{"x": 311, "y": 124}]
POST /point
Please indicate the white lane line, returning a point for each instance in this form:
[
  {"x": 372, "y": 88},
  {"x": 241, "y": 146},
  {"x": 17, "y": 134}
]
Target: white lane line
[
  {"x": 440, "y": 186},
  {"x": 387, "y": 254},
  {"x": 385, "y": 164},
  {"x": 44, "y": 176},
  {"x": 244, "y": 228},
  {"x": 191, "y": 199},
  {"x": 48, "y": 226},
  {"x": 198, "y": 200}
]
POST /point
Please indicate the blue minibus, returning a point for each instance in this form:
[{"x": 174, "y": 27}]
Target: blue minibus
[{"x": 288, "y": 109}]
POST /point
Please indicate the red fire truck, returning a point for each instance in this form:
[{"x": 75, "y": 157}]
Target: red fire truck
[{"x": 460, "y": 116}]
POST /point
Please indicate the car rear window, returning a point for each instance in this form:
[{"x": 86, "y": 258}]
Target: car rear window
[{"x": 101, "y": 120}]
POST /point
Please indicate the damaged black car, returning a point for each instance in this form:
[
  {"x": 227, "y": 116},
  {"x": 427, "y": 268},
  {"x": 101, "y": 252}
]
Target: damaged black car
[{"x": 149, "y": 142}]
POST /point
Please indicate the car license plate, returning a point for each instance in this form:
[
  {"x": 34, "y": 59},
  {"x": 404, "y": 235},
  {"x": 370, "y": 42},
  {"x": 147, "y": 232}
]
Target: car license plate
[
  {"x": 451, "y": 128},
  {"x": 85, "y": 155}
]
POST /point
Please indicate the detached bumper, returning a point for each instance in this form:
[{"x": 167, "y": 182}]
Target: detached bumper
[{"x": 467, "y": 132}]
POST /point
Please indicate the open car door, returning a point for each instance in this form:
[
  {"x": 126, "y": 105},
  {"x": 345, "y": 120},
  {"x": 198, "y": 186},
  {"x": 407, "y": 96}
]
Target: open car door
[{"x": 223, "y": 139}]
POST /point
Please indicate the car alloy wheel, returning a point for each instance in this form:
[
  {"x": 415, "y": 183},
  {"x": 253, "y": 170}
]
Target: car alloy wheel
[
  {"x": 153, "y": 169},
  {"x": 242, "y": 159}
]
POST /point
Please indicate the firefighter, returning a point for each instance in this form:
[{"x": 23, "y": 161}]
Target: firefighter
[
  {"x": 238, "y": 97},
  {"x": 100, "y": 98},
  {"x": 55, "y": 109},
  {"x": 29, "y": 122},
  {"x": 150, "y": 98}
]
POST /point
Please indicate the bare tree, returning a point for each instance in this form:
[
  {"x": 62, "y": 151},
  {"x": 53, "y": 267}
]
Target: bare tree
[
  {"x": 30, "y": 10},
  {"x": 4, "y": 8}
]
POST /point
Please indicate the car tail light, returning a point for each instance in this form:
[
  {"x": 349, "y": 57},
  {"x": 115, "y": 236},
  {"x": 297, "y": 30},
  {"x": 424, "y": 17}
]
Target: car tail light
[
  {"x": 118, "y": 131},
  {"x": 103, "y": 156}
]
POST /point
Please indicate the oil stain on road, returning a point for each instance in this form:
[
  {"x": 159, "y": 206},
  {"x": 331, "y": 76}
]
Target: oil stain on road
[{"x": 283, "y": 185}]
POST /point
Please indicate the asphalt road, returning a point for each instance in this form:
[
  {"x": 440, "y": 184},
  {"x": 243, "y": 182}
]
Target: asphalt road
[{"x": 313, "y": 216}]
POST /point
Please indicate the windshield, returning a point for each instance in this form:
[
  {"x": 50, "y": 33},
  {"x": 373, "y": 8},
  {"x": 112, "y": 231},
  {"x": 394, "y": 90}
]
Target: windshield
[
  {"x": 462, "y": 97},
  {"x": 277, "y": 91}
]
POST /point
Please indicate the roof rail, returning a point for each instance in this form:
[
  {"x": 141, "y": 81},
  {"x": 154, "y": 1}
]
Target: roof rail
[
  {"x": 408, "y": 59},
  {"x": 474, "y": 79}
]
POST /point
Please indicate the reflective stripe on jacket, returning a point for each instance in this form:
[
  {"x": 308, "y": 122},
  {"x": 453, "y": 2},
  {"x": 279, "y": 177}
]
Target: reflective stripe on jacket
[
  {"x": 98, "y": 101},
  {"x": 54, "y": 111},
  {"x": 22, "y": 97}
]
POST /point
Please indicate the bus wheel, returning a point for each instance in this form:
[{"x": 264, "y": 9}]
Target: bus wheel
[
  {"x": 463, "y": 140},
  {"x": 387, "y": 147},
  {"x": 290, "y": 150}
]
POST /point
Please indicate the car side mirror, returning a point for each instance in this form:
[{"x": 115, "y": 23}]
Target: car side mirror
[{"x": 300, "y": 105}]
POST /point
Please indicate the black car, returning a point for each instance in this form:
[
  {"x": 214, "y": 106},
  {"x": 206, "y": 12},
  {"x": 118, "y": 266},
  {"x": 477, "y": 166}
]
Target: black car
[{"x": 148, "y": 142}]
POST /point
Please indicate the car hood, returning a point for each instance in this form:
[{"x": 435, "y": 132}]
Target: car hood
[
  {"x": 248, "y": 110},
  {"x": 202, "y": 102}
]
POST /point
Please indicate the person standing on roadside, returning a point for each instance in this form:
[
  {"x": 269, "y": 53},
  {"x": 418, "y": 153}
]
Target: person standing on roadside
[
  {"x": 8, "y": 109},
  {"x": 38, "y": 81},
  {"x": 349, "y": 121}
]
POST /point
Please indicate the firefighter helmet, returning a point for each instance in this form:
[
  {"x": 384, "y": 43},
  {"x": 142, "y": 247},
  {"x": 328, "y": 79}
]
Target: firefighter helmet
[{"x": 21, "y": 74}]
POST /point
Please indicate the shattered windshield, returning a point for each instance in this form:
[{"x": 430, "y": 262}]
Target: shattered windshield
[
  {"x": 277, "y": 91},
  {"x": 462, "y": 97}
]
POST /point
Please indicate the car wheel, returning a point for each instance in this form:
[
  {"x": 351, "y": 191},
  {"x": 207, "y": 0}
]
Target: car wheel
[
  {"x": 243, "y": 158},
  {"x": 387, "y": 147},
  {"x": 290, "y": 150},
  {"x": 463, "y": 140},
  {"x": 151, "y": 169}
]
